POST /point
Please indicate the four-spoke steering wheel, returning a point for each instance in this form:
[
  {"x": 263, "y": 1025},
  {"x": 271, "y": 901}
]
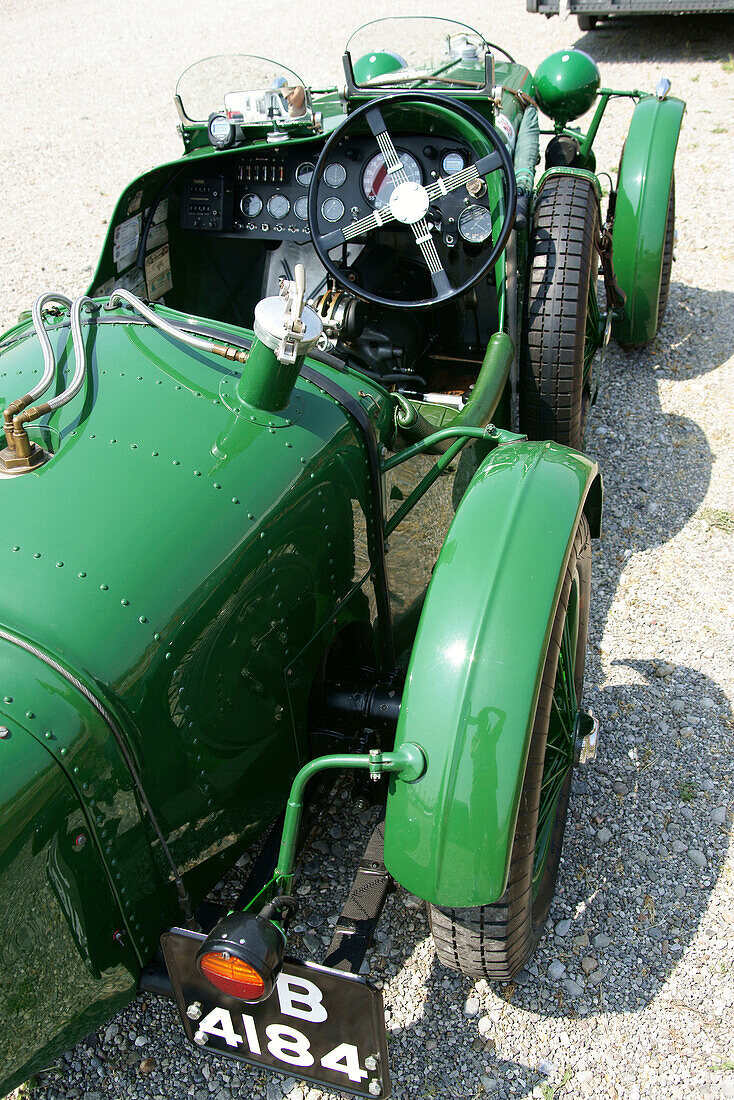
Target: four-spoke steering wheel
[{"x": 410, "y": 201}]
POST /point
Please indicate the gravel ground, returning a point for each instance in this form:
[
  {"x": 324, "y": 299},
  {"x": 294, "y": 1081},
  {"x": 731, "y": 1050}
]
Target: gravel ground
[{"x": 631, "y": 993}]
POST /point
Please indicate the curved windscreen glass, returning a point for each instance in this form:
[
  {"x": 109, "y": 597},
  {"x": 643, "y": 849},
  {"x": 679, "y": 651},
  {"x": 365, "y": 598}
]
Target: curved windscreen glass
[
  {"x": 252, "y": 90},
  {"x": 415, "y": 52}
]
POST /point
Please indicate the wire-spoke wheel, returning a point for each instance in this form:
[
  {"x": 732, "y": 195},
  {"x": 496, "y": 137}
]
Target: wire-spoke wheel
[{"x": 495, "y": 941}]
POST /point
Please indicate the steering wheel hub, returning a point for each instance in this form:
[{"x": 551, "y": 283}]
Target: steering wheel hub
[{"x": 409, "y": 202}]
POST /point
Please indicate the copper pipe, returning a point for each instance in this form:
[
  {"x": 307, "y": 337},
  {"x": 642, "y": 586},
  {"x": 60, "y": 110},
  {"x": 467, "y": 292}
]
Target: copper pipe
[
  {"x": 21, "y": 443},
  {"x": 228, "y": 351},
  {"x": 12, "y": 410}
]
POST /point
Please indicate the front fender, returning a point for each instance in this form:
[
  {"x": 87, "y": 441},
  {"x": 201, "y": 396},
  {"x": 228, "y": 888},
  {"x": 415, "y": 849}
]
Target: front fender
[
  {"x": 475, "y": 671},
  {"x": 638, "y": 237}
]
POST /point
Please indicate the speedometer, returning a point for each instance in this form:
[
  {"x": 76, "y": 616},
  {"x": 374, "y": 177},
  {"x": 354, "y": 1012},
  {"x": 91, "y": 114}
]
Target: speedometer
[{"x": 377, "y": 184}]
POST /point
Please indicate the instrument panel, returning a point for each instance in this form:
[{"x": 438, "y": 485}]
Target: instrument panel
[{"x": 264, "y": 195}]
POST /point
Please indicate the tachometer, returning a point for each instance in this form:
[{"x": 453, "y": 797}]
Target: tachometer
[
  {"x": 301, "y": 208},
  {"x": 376, "y": 183},
  {"x": 475, "y": 224}
]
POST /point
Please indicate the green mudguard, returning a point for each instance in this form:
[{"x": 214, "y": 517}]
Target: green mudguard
[
  {"x": 638, "y": 238},
  {"x": 475, "y": 670}
]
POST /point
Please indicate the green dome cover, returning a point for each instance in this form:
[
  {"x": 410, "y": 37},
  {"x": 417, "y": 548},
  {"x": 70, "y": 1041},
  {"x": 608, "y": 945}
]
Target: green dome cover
[
  {"x": 566, "y": 85},
  {"x": 376, "y": 63}
]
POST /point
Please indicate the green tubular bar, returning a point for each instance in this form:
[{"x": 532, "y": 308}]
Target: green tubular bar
[
  {"x": 409, "y": 762},
  {"x": 482, "y": 404},
  {"x": 490, "y": 434}
]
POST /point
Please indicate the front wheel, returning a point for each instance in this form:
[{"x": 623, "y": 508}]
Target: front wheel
[
  {"x": 495, "y": 941},
  {"x": 562, "y": 321}
]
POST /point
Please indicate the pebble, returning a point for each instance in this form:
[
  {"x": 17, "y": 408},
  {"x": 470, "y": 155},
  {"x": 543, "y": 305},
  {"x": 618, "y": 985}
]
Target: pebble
[
  {"x": 696, "y": 857},
  {"x": 556, "y": 970},
  {"x": 562, "y": 927},
  {"x": 573, "y": 988},
  {"x": 604, "y": 835},
  {"x": 588, "y": 964},
  {"x": 663, "y": 587},
  {"x": 312, "y": 943},
  {"x": 601, "y": 940},
  {"x": 471, "y": 1006}
]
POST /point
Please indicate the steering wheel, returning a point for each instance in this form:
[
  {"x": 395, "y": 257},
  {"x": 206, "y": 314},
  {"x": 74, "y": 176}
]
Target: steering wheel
[{"x": 410, "y": 201}]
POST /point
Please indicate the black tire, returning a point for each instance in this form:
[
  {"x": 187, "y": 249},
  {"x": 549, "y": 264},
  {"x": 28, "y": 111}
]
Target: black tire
[
  {"x": 554, "y": 395},
  {"x": 667, "y": 256},
  {"x": 495, "y": 941},
  {"x": 586, "y": 22}
]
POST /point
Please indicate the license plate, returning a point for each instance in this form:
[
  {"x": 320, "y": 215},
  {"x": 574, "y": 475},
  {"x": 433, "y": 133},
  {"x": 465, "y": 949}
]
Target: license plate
[{"x": 319, "y": 1025}]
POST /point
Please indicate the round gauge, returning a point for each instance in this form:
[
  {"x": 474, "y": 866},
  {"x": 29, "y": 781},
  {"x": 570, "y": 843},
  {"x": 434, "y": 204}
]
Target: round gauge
[
  {"x": 335, "y": 174},
  {"x": 475, "y": 224},
  {"x": 221, "y": 131},
  {"x": 278, "y": 206},
  {"x": 376, "y": 183},
  {"x": 332, "y": 209},
  {"x": 301, "y": 208},
  {"x": 251, "y": 205},
  {"x": 452, "y": 162},
  {"x": 304, "y": 173}
]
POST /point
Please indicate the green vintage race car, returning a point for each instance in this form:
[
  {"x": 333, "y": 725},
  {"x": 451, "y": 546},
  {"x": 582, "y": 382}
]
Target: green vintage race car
[{"x": 343, "y": 347}]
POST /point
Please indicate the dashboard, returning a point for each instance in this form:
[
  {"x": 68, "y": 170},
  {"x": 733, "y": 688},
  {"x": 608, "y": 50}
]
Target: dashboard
[{"x": 264, "y": 195}]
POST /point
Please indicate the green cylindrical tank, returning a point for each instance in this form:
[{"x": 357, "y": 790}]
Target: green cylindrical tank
[
  {"x": 566, "y": 85},
  {"x": 172, "y": 555}
]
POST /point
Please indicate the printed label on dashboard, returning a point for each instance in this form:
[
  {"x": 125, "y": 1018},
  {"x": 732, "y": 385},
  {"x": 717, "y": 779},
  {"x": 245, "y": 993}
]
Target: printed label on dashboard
[
  {"x": 158, "y": 273},
  {"x": 127, "y": 237}
]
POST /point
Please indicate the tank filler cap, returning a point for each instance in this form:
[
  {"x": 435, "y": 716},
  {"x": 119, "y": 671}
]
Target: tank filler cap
[{"x": 284, "y": 324}]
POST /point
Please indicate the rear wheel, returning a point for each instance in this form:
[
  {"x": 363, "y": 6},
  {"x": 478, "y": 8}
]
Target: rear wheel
[
  {"x": 561, "y": 330},
  {"x": 495, "y": 941},
  {"x": 586, "y": 22}
]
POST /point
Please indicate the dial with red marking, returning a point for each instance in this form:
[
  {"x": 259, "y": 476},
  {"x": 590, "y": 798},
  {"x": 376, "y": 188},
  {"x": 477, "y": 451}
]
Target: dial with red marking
[{"x": 376, "y": 183}]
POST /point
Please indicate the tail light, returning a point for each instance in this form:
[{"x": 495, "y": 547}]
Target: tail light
[
  {"x": 242, "y": 956},
  {"x": 232, "y": 976}
]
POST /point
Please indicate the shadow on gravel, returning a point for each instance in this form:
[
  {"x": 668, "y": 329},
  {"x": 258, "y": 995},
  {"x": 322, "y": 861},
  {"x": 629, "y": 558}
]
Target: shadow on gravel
[
  {"x": 660, "y": 38},
  {"x": 693, "y": 340},
  {"x": 647, "y": 829}
]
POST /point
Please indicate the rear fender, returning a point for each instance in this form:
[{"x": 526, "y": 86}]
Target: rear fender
[
  {"x": 638, "y": 237},
  {"x": 475, "y": 670}
]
